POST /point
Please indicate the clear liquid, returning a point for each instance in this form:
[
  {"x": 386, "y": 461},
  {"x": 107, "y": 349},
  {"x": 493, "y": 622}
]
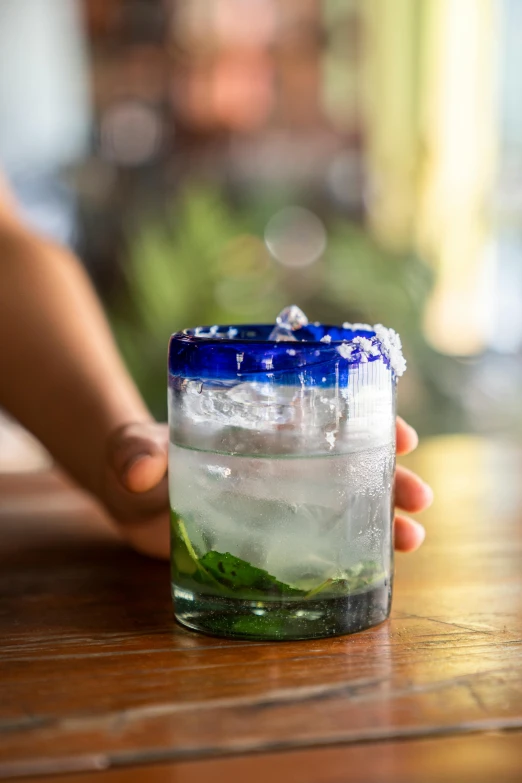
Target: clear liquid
[{"x": 306, "y": 521}]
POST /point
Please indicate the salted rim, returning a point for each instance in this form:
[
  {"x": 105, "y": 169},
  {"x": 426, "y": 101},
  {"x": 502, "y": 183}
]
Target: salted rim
[{"x": 356, "y": 343}]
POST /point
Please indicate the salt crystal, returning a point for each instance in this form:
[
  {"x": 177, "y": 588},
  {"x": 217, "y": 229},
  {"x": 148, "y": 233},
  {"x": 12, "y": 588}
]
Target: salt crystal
[
  {"x": 364, "y": 344},
  {"x": 326, "y": 339},
  {"x": 391, "y": 347},
  {"x": 346, "y": 350}
]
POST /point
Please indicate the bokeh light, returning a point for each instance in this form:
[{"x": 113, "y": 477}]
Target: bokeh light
[
  {"x": 295, "y": 237},
  {"x": 131, "y": 133}
]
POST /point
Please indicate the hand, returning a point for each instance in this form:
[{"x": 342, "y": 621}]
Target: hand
[
  {"x": 411, "y": 494},
  {"x": 136, "y": 489}
]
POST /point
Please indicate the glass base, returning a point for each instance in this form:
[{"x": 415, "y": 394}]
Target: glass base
[{"x": 270, "y": 620}]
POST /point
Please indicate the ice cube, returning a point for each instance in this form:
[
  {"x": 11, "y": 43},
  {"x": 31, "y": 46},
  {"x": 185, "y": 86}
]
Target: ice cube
[
  {"x": 281, "y": 334},
  {"x": 292, "y": 317},
  {"x": 288, "y": 320}
]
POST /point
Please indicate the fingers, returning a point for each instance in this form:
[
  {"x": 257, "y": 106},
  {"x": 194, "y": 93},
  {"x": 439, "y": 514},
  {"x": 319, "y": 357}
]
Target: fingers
[
  {"x": 407, "y": 438},
  {"x": 411, "y": 492},
  {"x": 413, "y": 495},
  {"x": 138, "y": 455},
  {"x": 408, "y": 534}
]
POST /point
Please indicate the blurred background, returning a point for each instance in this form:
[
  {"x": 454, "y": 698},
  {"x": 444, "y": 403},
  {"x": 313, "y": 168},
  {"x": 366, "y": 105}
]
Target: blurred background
[{"x": 212, "y": 161}]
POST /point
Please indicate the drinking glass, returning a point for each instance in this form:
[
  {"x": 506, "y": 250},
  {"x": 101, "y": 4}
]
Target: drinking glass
[{"x": 281, "y": 472}]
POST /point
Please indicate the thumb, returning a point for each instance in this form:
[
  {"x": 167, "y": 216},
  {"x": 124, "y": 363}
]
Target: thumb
[{"x": 138, "y": 455}]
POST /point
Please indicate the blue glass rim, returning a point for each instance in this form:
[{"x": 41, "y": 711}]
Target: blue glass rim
[{"x": 240, "y": 353}]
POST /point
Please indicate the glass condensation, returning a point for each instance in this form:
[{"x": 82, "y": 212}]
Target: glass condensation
[{"x": 281, "y": 486}]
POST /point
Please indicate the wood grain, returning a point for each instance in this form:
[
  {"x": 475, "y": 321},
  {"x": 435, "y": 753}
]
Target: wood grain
[
  {"x": 94, "y": 670},
  {"x": 475, "y": 759}
]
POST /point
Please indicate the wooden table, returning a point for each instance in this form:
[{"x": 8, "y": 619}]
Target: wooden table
[{"x": 96, "y": 675}]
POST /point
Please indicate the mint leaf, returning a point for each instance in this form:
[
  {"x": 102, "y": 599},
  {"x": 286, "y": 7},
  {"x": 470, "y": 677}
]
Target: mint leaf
[
  {"x": 230, "y": 576},
  {"x": 238, "y": 574},
  {"x": 353, "y": 580},
  {"x": 185, "y": 561}
]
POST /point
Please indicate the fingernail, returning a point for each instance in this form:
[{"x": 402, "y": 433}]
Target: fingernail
[
  {"x": 421, "y": 530},
  {"x": 133, "y": 461}
]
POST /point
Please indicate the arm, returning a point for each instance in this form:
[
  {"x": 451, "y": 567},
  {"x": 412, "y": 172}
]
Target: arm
[{"x": 61, "y": 376}]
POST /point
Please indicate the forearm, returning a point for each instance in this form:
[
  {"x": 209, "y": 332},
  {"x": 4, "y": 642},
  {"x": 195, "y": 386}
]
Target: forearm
[{"x": 60, "y": 373}]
